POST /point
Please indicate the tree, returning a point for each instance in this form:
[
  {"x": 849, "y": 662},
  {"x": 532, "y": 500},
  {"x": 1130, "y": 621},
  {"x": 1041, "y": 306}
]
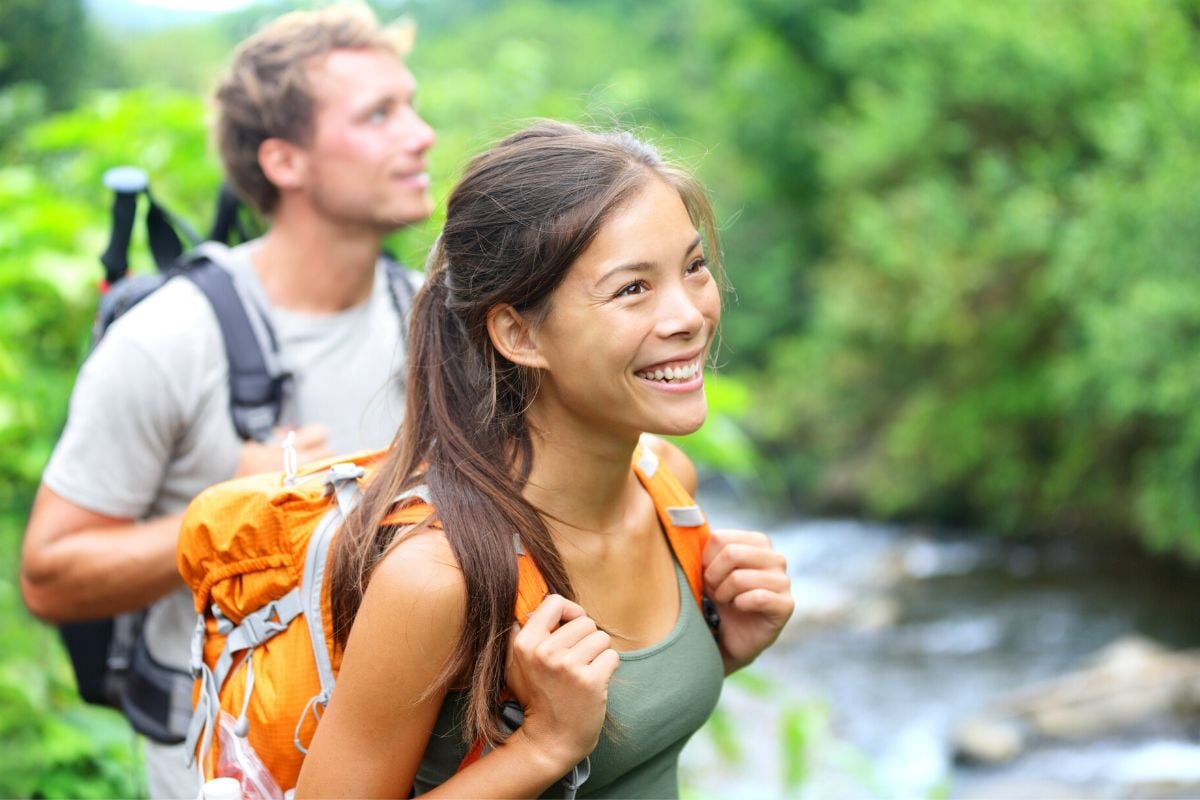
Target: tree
[{"x": 44, "y": 44}]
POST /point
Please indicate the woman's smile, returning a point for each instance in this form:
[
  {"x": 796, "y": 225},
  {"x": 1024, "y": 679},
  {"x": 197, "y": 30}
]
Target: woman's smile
[{"x": 685, "y": 375}]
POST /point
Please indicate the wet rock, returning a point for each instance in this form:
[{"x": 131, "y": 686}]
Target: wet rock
[
  {"x": 1023, "y": 788},
  {"x": 1130, "y": 683},
  {"x": 874, "y": 613},
  {"x": 988, "y": 740}
]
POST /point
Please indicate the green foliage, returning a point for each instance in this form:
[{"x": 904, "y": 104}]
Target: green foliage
[
  {"x": 722, "y": 444},
  {"x": 49, "y": 239},
  {"x": 960, "y": 235},
  {"x": 54, "y": 227},
  {"x": 51, "y": 746},
  {"x": 1003, "y": 327},
  {"x": 43, "y": 44},
  {"x": 808, "y": 746}
]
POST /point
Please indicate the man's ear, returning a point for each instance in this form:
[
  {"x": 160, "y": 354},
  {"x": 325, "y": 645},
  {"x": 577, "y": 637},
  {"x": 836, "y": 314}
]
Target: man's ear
[
  {"x": 513, "y": 336},
  {"x": 283, "y": 162}
]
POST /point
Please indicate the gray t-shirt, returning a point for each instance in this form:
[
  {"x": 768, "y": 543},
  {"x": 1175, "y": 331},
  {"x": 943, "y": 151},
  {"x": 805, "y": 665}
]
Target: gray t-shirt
[{"x": 149, "y": 424}]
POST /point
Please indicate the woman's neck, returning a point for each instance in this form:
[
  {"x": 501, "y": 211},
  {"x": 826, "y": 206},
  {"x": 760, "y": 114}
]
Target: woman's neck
[{"x": 580, "y": 479}]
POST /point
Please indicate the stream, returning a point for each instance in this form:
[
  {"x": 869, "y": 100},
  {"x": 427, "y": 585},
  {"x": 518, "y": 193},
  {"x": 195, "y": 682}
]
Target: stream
[{"x": 900, "y": 633}]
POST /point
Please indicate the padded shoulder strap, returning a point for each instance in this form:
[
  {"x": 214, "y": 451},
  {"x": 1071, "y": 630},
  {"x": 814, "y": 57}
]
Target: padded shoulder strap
[
  {"x": 681, "y": 518},
  {"x": 255, "y": 395}
]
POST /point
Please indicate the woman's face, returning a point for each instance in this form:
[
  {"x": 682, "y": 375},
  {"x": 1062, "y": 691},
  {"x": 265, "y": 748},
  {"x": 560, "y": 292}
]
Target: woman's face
[{"x": 624, "y": 341}]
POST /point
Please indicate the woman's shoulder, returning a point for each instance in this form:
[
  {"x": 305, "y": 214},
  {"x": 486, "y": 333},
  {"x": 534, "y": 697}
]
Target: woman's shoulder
[
  {"x": 419, "y": 578},
  {"x": 675, "y": 460}
]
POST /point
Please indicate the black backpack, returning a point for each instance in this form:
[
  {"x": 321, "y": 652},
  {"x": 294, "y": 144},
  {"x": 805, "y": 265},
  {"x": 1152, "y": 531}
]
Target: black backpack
[{"x": 112, "y": 665}]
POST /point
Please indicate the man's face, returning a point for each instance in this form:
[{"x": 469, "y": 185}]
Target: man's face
[{"x": 366, "y": 159}]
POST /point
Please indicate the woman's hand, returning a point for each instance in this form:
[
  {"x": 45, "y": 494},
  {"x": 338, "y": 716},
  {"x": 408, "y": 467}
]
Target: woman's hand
[
  {"x": 559, "y": 667},
  {"x": 748, "y": 582}
]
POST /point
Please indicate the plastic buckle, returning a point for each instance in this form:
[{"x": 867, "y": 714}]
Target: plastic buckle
[
  {"x": 345, "y": 471},
  {"x": 262, "y": 626}
]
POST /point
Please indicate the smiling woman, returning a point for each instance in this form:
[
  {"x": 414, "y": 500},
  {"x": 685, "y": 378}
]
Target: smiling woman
[
  {"x": 622, "y": 345},
  {"x": 568, "y": 311}
]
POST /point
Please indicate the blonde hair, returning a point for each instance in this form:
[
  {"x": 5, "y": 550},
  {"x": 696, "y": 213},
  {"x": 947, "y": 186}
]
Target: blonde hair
[{"x": 266, "y": 93}]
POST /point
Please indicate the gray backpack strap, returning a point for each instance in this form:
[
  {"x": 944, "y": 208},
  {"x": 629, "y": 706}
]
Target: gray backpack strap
[
  {"x": 403, "y": 284},
  {"x": 256, "y": 391}
]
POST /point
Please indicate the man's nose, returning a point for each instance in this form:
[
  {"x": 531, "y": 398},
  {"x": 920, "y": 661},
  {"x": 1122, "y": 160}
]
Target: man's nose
[{"x": 418, "y": 134}]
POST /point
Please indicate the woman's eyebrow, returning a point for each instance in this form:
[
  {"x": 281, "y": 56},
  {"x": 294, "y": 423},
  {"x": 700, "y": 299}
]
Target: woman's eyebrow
[{"x": 642, "y": 266}]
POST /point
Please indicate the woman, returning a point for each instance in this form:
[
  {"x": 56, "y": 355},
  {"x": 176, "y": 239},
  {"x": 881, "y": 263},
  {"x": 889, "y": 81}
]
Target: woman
[{"x": 569, "y": 308}]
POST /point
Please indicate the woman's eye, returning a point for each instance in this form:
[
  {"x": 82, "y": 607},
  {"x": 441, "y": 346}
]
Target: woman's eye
[
  {"x": 637, "y": 287},
  {"x": 697, "y": 265},
  {"x": 378, "y": 115}
]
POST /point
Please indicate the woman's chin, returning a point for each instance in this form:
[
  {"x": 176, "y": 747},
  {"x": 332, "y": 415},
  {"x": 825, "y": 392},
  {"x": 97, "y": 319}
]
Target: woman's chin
[{"x": 680, "y": 427}]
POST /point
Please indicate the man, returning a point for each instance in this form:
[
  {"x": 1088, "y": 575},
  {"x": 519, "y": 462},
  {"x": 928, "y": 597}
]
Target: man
[{"x": 316, "y": 130}]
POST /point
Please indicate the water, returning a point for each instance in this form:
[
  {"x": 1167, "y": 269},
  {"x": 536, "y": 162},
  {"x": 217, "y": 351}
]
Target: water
[{"x": 899, "y": 635}]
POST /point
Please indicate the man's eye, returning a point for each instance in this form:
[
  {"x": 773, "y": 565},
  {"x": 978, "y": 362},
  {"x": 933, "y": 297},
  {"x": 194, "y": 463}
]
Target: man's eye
[{"x": 378, "y": 115}]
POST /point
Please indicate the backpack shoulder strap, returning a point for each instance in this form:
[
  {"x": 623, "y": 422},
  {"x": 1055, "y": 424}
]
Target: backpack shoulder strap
[
  {"x": 682, "y": 520},
  {"x": 255, "y": 393},
  {"x": 402, "y": 283}
]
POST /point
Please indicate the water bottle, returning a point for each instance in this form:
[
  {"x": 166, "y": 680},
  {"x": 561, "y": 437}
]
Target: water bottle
[{"x": 222, "y": 789}]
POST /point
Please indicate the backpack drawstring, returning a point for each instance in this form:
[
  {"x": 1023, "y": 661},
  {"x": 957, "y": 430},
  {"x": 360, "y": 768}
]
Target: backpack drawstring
[{"x": 242, "y": 726}]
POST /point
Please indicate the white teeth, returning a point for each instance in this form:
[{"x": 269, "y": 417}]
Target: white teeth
[{"x": 684, "y": 372}]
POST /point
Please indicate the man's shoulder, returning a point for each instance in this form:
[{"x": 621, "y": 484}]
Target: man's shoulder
[{"x": 175, "y": 315}]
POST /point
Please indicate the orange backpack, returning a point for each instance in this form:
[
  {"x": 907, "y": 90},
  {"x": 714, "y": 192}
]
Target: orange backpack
[{"x": 255, "y": 551}]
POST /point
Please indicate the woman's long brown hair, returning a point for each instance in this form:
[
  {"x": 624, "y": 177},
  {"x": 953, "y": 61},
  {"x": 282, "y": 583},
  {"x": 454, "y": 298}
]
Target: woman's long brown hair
[{"x": 519, "y": 218}]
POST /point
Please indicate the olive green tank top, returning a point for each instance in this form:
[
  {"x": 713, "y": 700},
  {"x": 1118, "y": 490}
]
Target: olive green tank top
[{"x": 659, "y": 696}]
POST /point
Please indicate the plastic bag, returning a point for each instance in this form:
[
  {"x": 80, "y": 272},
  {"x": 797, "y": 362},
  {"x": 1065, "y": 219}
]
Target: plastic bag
[{"x": 238, "y": 759}]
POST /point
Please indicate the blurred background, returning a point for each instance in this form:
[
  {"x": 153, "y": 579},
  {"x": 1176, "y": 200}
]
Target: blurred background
[{"x": 960, "y": 372}]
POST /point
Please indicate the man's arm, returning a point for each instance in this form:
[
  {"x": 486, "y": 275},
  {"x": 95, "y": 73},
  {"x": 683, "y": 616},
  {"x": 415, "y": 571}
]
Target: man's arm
[
  {"x": 78, "y": 564},
  {"x": 81, "y": 564}
]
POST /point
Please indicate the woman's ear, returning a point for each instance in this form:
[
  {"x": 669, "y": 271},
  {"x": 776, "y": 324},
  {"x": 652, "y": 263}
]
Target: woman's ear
[
  {"x": 513, "y": 336},
  {"x": 282, "y": 162}
]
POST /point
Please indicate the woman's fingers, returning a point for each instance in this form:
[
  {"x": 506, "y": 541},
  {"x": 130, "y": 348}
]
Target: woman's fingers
[
  {"x": 551, "y": 613},
  {"x": 559, "y": 634},
  {"x": 731, "y": 550},
  {"x": 604, "y": 665},
  {"x": 590, "y": 647},
  {"x": 744, "y": 580},
  {"x": 769, "y": 603}
]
